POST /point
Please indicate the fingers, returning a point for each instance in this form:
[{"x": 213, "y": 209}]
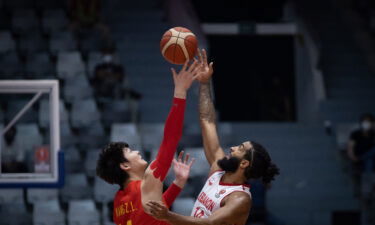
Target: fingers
[
  {"x": 193, "y": 66},
  {"x": 186, "y": 158},
  {"x": 191, "y": 162},
  {"x": 211, "y": 65},
  {"x": 204, "y": 57},
  {"x": 156, "y": 206},
  {"x": 174, "y": 74},
  {"x": 180, "y": 156},
  {"x": 200, "y": 56},
  {"x": 185, "y": 65}
]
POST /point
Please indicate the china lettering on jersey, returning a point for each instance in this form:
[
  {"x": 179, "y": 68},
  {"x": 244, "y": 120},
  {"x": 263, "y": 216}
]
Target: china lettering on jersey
[{"x": 213, "y": 192}]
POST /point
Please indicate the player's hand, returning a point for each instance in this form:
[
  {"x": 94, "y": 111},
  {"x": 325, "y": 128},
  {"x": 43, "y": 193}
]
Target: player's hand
[
  {"x": 181, "y": 168},
  {"x": 184, "y": 79},
  {"x": 205, "y": 70},
  {"x": 158, "y": 210}
]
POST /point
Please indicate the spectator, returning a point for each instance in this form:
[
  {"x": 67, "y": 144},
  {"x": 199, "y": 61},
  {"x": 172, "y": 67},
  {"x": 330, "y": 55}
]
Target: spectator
[
  {"x": 361, "y": 148},
  {"x": 12, "y": 154},
  {"x": 108, "y": 79},
  {"x": 86, "y": 14}
]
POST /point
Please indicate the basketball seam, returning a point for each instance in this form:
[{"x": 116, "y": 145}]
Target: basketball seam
[{"x": 175, "y": 46}]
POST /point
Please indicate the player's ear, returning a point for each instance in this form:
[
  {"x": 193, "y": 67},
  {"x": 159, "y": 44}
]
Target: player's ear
[
  {"x": 244, "y": 163},
  {"x": 125, "y": 166}
]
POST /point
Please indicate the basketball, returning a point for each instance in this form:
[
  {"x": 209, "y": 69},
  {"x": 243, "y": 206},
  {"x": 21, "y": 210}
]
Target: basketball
[{"x": 178, "y": 44}]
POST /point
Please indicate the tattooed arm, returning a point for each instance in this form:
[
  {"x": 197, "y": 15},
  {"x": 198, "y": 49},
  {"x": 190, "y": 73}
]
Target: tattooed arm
[{"x": 211, "y": 144}]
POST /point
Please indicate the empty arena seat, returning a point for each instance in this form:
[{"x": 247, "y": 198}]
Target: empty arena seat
[
  {"x": 54, "y": 20},
  {"x": 104, "y": 192},
  {"x": 24, "y": 21},
  {"x": 84, "y": 113},
  {"x": 32, "y": 43},
  {"x": 35, "y": 195},
  {"x": 10, "y": 195},
  {"x": 83, "y": 212},
  {"x": 29, "y": 135},
  {"x": 44, "y": 111},
  {"x": 74, "y": 186},
  {"x": 62, "y": 43},
  {"x": 73, "y": 160},
  {"x": 151, "y": 135},
  {"x": 90, "y": 162},
  {"x": 126, "y": 132},
  {"x": 48, "y": 212},
  {"x": 39, "y": 66},
  {"x": 7, "y": 42},
  {"x": 11, "y": 67},
  {"x": 69, "y": 64},
  {"x": 14, "y": 214},
  {"x": 77, "y": 88}
]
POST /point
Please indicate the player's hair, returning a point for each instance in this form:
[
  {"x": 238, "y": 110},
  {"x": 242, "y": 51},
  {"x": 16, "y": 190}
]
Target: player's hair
[
  {"x": 108, "y": 164},
  {"x": 261, "y": 166},
  {"x": 367, "y": 116}
]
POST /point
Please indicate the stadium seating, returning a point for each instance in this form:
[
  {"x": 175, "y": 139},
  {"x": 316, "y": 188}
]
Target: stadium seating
[
  {"x": 48, "y": 212},
  {"x": 126, "y": 132},
  {"x": 36, "y": 195},
  {"x": 83, "y": 212}
]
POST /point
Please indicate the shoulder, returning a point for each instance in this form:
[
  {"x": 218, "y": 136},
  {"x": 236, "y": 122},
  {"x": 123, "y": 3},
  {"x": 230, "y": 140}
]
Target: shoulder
[{"x": 238, "y": 198}]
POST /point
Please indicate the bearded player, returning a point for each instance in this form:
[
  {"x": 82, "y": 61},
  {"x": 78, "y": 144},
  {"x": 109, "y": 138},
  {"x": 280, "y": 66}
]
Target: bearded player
[
  {"x": 119, "y": 164},
  {"x": 225, "y": 197}
]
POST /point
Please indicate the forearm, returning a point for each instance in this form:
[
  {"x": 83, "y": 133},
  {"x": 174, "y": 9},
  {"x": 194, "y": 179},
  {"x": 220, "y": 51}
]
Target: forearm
[
  {"x": 171, "y": 194},
  {"x": 207, "y": 120},
  {"x": 206, "y": 105},
  {"x": 172, "y": 135}
]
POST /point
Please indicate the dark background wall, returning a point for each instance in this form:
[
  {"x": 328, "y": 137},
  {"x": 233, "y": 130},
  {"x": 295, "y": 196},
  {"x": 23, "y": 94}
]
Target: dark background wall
[{"x": 254, "y": 77}]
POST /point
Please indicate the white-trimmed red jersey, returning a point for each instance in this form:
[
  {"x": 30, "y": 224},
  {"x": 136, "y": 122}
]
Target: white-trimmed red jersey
[{"x": 213, "y": 192}]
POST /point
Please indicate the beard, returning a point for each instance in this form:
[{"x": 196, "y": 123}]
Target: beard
[{"x": 230, "y": 164}]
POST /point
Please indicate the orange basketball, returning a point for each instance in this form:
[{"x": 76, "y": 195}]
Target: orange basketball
[{"x": 178, "y": 44}]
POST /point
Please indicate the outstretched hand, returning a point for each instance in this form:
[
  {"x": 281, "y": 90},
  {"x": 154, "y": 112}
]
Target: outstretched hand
[
  {"x": 181, "y": 168},
  {"x": 184, "y": 78},
  {"x": 205, "y": 70},
  {"x": 158, "y": 210}
]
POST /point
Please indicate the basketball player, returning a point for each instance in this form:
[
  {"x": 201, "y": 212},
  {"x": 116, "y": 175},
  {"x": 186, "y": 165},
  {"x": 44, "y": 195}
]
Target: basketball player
[
  {"x": 225, "y": 197},
  {"x": 119, "y": 164}
]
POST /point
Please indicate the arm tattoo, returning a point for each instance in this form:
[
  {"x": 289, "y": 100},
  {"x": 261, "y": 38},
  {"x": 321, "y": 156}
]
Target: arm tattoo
[{"x": 206, "y": 106}]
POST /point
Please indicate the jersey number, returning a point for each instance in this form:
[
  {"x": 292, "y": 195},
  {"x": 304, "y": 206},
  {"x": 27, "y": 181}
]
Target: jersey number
[{"x": 199, "y": 213}]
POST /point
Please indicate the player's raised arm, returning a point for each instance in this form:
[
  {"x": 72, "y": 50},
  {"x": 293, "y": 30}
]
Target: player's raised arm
[
  {"x": 207, "y": 115},
  {"x": 151, "y": 186}
]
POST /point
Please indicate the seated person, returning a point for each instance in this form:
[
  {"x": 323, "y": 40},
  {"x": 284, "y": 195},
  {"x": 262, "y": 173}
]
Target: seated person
[
  {"x": 108, "y": 79},
  {"x": 361, "y": 147}
]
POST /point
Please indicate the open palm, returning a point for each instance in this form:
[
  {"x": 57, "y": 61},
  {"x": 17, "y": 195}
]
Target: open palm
[
  {"x": 181, "y": 167},
  {"x": 205, "y": 70}
]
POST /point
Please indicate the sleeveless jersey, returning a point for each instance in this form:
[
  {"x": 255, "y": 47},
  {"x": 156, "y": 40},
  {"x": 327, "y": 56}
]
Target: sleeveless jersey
[{"x": 213, "y": 192}]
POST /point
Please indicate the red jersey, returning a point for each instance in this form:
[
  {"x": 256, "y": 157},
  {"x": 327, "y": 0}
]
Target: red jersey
[{"x": 127, "y": 207}]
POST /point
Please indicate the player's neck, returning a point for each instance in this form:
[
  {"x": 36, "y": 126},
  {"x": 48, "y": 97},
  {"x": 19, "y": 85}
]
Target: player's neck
[
  {"x": 233, "y": 178},
  {"x": 133, "y": 177}
]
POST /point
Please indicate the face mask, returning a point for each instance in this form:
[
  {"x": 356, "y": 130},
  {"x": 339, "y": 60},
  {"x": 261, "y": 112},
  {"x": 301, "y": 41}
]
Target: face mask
[
  {"x": 107, "y": 58},
  {"x": 366, "y": 125}
]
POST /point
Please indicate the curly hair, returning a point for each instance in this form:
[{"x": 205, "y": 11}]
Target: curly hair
[
  {"x": 108, "y": 164},
  {"x": 261, "y": 166}
]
